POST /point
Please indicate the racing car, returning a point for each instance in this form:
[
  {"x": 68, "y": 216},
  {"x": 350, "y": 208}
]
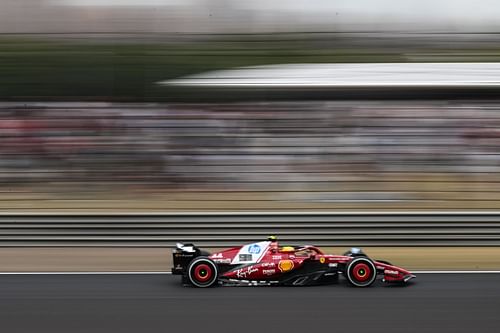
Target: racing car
[{"x": 268, "y": 263}]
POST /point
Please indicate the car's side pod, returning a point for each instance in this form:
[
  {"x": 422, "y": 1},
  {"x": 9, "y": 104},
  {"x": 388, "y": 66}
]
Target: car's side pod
[{"x": 183, "y": 254}]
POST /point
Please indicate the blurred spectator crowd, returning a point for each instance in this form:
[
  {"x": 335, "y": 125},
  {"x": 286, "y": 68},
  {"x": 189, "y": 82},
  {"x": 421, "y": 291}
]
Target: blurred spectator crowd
[{"x": 304, "y": 151}]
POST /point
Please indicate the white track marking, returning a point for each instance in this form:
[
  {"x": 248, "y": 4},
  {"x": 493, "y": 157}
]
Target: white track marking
[
  {"x": 456, "y": 272},
  {"x": 246, "y": 212},
  {"x": 84, "y": 273},
  {"x": 169, "y": 273}
]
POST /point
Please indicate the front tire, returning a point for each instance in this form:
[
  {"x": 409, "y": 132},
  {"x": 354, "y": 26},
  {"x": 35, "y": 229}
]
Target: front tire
[
  {"x": 361, "y": 272},
  {"x": 202, "y": 272}
]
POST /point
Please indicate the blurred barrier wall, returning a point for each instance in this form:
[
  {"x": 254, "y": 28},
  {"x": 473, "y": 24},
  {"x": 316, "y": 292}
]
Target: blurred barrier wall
[
  {"x": 250, "y": 156},
  {"x": 229, "y": 229}
]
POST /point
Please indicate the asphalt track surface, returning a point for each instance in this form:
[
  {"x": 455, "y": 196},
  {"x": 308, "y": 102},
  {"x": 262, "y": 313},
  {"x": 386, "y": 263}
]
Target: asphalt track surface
[{"x": 158, "y": 303}]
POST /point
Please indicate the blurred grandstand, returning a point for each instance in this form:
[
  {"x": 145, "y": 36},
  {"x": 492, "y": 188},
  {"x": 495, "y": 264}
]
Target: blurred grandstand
[
  {"x": 85, "y": 126},
  {"x": 253, "y": 155}
]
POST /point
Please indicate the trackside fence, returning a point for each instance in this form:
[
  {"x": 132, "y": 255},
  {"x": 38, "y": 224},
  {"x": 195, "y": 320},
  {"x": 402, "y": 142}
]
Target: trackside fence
[{"x": 227, "y": 229}]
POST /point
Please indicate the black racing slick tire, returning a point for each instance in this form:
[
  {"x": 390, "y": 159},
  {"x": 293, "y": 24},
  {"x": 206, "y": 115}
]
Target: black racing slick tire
[
  {"x": 361, "y": 272},
  {"x": 202, "y": 272}
]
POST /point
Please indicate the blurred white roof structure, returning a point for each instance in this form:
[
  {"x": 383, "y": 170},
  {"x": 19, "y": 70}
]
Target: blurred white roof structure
[{"x": 365, "y": 75}]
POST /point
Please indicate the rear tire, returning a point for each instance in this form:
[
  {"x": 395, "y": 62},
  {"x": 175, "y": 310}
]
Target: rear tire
[
  {"x": 202, "y": 272},
  {"x": 361, "y": 272}
]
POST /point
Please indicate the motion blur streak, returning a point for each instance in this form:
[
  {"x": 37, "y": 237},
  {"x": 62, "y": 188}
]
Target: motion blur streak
[
  {"x": 235, "y": 16},
  {"x": 186, "y": 149},
  {"x": 273, "y": 155}
]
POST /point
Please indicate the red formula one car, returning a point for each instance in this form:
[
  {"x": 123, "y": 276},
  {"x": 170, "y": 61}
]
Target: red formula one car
[{"x": 266, "y": 263}]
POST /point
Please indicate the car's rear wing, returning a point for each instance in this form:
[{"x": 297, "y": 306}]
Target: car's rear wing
[{"x": 182, "y": 256}]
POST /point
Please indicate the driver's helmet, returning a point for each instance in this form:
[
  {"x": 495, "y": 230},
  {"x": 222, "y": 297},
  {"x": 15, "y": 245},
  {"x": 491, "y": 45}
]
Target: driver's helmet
[
  {"x": 274, "y": 243},
  {"x": 272, "y": 238}
]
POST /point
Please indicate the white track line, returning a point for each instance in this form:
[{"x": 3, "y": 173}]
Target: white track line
[
  {"x": 169, "y": 273},
  {"x": 84, "y": 273},
  {"x": 456, "y": 272},
  {"x": 251, "y": 212}
]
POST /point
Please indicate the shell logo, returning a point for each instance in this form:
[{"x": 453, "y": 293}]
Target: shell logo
[{"x": 285, "y": 265}]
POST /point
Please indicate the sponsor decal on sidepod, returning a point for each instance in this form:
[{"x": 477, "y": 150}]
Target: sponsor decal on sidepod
[
  {"x": 245, "y": 272},
  {"x": 285, "y": 265}
]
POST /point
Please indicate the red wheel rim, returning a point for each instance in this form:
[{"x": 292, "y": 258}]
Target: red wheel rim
[
  {"x": 203, "y": 272},
  {"x": 361, "y": 272}
]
